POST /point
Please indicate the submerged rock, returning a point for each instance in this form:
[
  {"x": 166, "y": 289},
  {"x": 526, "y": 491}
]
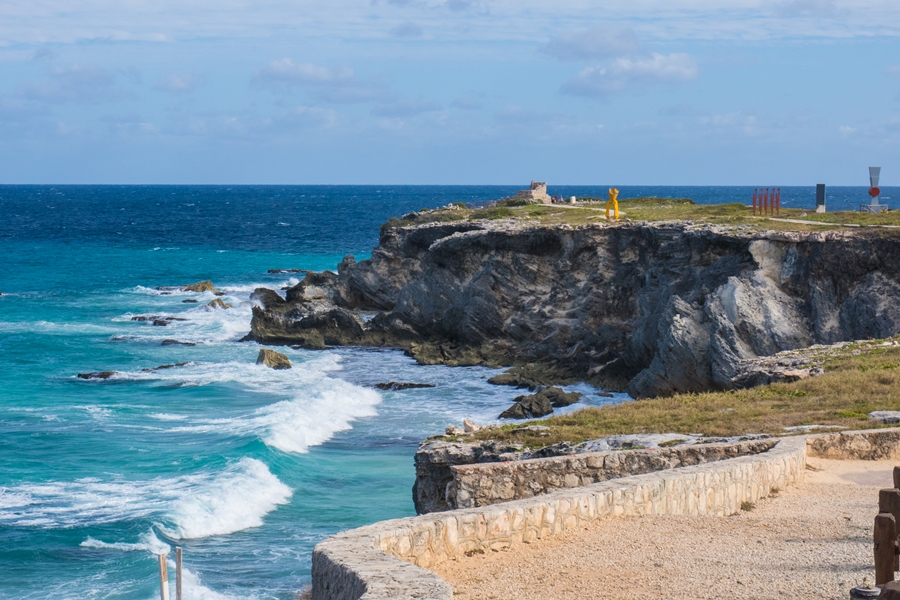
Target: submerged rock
[
  {"x": 97, "y": 375},
  {"x": 163, "y": 367},
  {"x": 190, "y": 301},
  {"x": 394, "y": 386},
  {"x": 272, "y": 359},
  {"x": 170, "y": 342},
  {"x": 157, "y": 319},
  {"x": 286, "y": 270}
]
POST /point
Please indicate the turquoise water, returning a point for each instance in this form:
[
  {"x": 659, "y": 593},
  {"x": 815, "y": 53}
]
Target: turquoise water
[{"x": 244, "y": 467}]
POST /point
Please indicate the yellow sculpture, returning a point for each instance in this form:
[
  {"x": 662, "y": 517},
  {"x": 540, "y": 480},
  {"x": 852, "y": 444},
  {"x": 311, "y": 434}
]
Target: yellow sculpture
[{"x": 613, "y": 203}]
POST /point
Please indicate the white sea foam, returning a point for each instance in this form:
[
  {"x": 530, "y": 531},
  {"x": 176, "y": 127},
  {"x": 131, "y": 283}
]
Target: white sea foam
[
  {"x": 148, "y": 542},
  {"x": 232, "y": 502},
  {"x": 167, "y": 417},
  {"x": 313, "y": 407},
  {"x": 195, "y": 590},
  {"x": 188, "y": 506}
]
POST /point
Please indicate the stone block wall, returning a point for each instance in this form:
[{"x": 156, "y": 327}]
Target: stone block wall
[
  {"x": 872, "y": 444},
  {"x": 484, "y": 484},
  {"x": 388, "y": 560}
]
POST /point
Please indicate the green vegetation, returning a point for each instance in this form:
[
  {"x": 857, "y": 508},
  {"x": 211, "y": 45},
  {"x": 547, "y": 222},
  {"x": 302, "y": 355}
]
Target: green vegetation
[
  {"x": 593, "y": 210},
  {"x": 858, "y": 379},
  {"x": 491, "y": 212}
]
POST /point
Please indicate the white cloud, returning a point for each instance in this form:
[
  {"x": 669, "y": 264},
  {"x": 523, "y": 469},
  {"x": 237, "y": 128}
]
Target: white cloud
[
  {"x": 405, "y": 108},
  {"x": 177, "y": 84},
  {"x": 75, "y": 84},
  {"x": 593, "y": 44},
  {"x": 16, "y": 111},
  {"x": 625, "y": 73},
  {"x": 407, "y": 29},
  {"x": 52, "y": 21},
  {"x": 335, "y": 85},
  {"x": 847, "y": 130},
  {"x": 807, "y": 8}
]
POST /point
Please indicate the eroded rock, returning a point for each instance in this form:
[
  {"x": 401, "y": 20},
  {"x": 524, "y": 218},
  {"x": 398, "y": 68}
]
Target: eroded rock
[
  {"x": 202, "y": 286},
  {"x": 654, "y": 308},
  {"x": 540, "y": 403},
  {"x": 97, "y": 375},
  {"x": 273, "y": 360},
  {"x": 394, "y": 386},
  {"x": 218, "y": 303}
]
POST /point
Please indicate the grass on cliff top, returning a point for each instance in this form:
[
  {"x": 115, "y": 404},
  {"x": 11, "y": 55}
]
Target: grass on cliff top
[
  {"x": 591, "y": 210},
  {"x": 857, "y": 380}
]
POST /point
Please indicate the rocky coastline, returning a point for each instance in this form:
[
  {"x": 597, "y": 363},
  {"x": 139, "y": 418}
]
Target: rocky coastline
[{"x": 653, "y": 308}]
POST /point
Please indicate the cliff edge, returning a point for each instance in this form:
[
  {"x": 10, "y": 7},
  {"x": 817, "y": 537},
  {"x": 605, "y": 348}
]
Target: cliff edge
[{"x": 654, "y": 308}]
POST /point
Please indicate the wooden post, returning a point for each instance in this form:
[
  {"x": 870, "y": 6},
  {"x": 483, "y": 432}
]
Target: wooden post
[
  {"x": 178, "y": 573},
  {"x": 885, "y": 547},
  {"x": 754, "y": 202},
  {"x": 778, "y": 202},
  {"x": 163, "y": 578},
  {"x": 889, "y": 502}
]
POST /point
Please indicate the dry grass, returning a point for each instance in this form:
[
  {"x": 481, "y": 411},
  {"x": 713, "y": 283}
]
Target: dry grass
[
  {"x": 659, "y": 209},
  {"x": 853, "y": 385}
]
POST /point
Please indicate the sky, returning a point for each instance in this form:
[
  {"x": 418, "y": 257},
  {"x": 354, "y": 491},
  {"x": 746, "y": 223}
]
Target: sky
[{"x": 627, "y": 92}]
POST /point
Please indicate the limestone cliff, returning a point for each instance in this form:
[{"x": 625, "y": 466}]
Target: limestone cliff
[{"x": 651, "y": 308}]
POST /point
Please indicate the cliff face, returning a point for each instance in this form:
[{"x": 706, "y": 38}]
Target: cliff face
[{"x": 653, "y": 309}]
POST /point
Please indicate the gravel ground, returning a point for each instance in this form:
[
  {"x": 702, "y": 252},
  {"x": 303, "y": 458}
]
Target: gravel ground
[{"x": 811, "y": 541}]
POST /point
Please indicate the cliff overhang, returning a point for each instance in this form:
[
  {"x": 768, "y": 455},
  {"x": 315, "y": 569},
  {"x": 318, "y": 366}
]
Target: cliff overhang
[{"x": 654, "y": 308}]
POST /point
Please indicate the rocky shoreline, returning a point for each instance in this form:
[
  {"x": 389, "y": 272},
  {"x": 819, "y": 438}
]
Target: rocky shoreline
[{"x": 651, "y": 308}]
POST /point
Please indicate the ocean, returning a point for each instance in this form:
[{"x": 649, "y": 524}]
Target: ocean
[{"x": 244, "y": 467}]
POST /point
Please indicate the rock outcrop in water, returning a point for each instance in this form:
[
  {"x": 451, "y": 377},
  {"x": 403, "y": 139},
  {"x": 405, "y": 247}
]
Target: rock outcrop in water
[
  {"x": 272, "y": 359},
  {"x": 651, "y": 308}
]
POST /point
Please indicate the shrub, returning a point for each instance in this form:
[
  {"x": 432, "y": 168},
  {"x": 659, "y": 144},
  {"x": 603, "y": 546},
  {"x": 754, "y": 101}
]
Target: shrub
[
  {"x": 392, "y": 223},
  {"x": 494, "y": 212}
]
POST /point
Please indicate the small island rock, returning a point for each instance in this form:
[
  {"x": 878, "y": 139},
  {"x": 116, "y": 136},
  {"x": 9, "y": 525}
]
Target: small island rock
[
  {"x": 272, "y": 359},
  {"x": 529, "y": 407},
  {"x": 219, "y": 303},
  {"x": 202, "y": 286}
]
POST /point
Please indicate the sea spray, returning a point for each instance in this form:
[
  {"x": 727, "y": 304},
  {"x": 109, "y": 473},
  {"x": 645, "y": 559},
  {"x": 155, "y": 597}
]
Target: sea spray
[
  {"x": 235, "y": 500},
  {"x": 148, "y": 542},
  {"x": 190, "y": 506}
]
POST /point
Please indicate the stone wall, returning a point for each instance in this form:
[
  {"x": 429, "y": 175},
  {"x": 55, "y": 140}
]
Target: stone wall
[
  {"x": 388, "y": 560},
  {"x": 485, "y": 484},
  {"x": 872, "y": 444}
]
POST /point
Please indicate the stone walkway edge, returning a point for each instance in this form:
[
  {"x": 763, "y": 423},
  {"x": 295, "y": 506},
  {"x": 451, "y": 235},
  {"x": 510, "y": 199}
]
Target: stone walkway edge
[{"x": 389, "y": 559}]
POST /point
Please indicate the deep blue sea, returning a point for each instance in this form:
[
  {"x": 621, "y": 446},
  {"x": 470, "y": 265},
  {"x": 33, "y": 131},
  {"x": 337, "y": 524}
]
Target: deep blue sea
[{"x": 244, "y": 467}]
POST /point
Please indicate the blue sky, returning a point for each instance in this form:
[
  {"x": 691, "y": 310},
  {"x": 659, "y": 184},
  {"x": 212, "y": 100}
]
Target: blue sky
[{"x": 742, "y": 92}]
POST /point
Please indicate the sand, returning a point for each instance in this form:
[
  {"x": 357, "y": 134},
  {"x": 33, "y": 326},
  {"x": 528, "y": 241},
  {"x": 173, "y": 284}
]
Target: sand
[{"x": 810, "y": 541}]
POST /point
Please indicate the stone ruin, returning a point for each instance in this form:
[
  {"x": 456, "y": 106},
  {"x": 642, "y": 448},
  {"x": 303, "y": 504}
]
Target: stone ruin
[{"x": 537, "y": 191}]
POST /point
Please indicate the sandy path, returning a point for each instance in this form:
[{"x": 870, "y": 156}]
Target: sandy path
[{"x": 813, "y": 541}]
